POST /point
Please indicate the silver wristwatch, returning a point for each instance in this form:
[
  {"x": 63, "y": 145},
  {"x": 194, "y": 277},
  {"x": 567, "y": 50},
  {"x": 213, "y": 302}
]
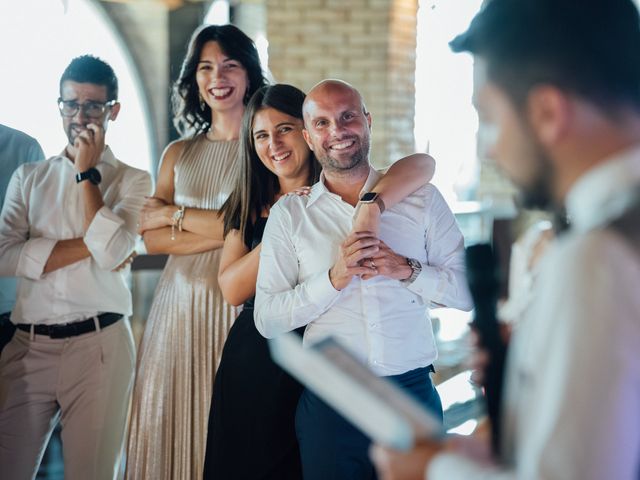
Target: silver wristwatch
[{"x": 416, "y": 268}]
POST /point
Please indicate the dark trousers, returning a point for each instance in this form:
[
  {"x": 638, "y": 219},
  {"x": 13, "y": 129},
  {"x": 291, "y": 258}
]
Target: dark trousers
[{"x": 331, "y": 448}]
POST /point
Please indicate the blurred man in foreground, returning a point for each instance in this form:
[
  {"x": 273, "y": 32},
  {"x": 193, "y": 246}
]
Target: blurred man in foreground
[{"x": 562, "y": 89}]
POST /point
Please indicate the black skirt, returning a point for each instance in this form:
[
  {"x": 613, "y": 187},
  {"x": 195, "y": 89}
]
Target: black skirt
[{"x": 251, "y": 422}]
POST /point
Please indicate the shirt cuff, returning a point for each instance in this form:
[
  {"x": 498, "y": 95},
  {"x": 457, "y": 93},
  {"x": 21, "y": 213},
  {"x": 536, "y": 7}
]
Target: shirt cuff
[
  {"x": 426, "y": 283},
  {"x": 321, "y": 292},
  {"x": 103, "y": 227},
  {"x": 34, "y": 256}
]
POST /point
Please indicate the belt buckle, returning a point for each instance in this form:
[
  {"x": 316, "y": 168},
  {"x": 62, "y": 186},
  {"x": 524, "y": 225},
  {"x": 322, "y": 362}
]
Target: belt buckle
[{"x": 58, "y": 331}]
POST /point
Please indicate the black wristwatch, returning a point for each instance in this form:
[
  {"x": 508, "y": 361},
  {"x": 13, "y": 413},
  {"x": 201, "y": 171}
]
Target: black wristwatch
[
  {"x": 373, "y": 197},
  {"x": 93, "y": 175}
]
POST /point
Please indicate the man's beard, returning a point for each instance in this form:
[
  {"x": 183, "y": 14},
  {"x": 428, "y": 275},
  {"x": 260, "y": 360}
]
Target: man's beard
[
  {"x": 539, "y": 196},
  {"x": 538, "y": 193},
  {"x": 336, "y": 166}
]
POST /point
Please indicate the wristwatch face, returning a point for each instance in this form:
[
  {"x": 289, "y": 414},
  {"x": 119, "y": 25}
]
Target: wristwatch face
[
  {"x": 414, "y": 264},
  {"x": 416, "y": 268},
  {"x": 368, "y": 197},
  {"x": 94, "y": 176}
]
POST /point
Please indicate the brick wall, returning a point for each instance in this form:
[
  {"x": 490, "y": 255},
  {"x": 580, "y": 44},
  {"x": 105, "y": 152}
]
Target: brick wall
[{"x": 368, "y": 43}]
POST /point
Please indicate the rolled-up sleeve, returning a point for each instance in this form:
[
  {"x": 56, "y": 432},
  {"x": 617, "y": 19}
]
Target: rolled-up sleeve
[
  {"x": 111, "y": 236},
  {"x": 282, "y": 304},
  {"x": 20, "y": 256},
  {"x": 442, "y": 279},
  {"x": 33, "y": 257}
]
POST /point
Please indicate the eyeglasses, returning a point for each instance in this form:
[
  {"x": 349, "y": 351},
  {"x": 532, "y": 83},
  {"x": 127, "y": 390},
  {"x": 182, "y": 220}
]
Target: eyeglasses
[{"x": 69, "y": 108}]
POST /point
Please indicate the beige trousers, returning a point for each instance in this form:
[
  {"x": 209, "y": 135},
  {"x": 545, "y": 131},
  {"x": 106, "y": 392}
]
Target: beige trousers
[{"x": 84, "y": 382}]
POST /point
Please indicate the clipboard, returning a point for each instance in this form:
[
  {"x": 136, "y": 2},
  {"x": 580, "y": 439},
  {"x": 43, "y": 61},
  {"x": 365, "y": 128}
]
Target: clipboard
[{"x": 378, "y": 407}]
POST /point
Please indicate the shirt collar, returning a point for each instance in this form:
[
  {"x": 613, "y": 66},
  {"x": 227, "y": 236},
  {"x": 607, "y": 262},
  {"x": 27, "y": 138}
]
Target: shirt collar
[
  {"x": 317, "y": 190},
  {"x": 320, "y": 188},
  {"x": 604, "y": 192}
]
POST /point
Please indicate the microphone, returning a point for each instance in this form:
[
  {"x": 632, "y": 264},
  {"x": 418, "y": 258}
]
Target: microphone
[{"x": 483, "y": 278}]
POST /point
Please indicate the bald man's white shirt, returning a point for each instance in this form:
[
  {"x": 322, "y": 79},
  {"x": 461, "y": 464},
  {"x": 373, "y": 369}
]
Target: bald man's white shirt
[{"x": 383, "y": 321}]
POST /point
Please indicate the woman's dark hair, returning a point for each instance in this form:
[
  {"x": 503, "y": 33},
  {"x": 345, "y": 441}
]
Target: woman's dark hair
[
  {"x": 189, "y": 115},
  {"x": 256, "y": 186}
]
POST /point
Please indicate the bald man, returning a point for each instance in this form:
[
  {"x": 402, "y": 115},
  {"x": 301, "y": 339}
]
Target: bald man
[{"x": 370, "y": 292}]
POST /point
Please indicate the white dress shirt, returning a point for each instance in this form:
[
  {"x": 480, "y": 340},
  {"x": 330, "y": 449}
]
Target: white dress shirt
[
  {"x": 381, "y": 320},
  {"x": 572, "y": 398},
  {"x": 43, "y": 205}
]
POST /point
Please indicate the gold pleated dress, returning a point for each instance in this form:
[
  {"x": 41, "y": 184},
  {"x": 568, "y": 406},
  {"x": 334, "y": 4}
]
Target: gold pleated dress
[{"x": 184, "y": 334}]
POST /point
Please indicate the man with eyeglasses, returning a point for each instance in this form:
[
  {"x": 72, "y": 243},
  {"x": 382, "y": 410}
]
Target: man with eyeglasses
[{"x": 67, "y": 229}]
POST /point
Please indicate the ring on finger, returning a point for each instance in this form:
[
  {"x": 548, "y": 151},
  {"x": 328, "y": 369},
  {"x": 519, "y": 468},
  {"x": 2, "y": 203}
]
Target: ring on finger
[{"x": 373, "y": 265}]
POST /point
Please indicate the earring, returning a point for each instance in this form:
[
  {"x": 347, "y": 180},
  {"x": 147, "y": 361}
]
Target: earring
[{"x": 202, "y": 104}]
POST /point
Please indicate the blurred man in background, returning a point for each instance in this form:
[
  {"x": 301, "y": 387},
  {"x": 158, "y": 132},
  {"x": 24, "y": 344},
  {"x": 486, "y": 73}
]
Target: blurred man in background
[{"x": 16, "y": 148}]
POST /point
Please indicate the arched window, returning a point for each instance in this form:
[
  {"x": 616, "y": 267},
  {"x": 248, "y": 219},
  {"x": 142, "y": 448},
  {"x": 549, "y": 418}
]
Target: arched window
[
  {"x": 446, "y": 123},
  {"x": 39, "y": 38}
]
